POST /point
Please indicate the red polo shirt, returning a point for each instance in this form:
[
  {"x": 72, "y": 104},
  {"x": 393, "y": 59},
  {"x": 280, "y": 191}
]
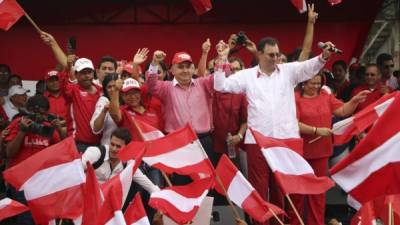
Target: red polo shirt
[
  {"x": 61, "y": 107},
  {"x": 33, "y": 143},
  {"x": 149, "y": 116},
  {"x": 83, "y": 105},
  {"x": 229, "y": 111}
]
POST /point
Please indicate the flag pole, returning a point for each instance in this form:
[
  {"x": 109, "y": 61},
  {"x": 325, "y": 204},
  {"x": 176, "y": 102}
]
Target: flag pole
[
  {"x": 219, "y": 181},
  {"x": 32, "y": 22},
  {"x": 61, "y": 221},
  {"x": 294, "y": 208},
  {"x": 390, "y": 213},
  {"x": 319, "y": 137},
  {"x": 166, "y": 178},
  {"x": 276, "y": 216}
]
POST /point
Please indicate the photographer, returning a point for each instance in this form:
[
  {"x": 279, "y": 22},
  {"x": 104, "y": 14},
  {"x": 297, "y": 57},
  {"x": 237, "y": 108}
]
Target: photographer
[{"x": 33, "y": 131}]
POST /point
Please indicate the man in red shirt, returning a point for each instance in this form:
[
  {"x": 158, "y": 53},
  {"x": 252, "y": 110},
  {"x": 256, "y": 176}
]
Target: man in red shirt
[
  {"x": 372, "y": 83},
  {"x": 83, "y": 96},
  {"x": 59, "y": 105}
]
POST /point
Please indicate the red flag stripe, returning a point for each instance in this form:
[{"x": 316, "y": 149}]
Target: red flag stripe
[
  {"x": 9, "y": 208},
  {"x": 135, "y": 214},
  {"x": 300, "y": 5},
  {"x": 304, "y": 183},
  {"x": 10, "y": 12}
]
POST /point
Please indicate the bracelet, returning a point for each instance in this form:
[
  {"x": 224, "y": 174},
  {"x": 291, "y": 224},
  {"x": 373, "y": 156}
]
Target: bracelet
[
  {"x": 315, "y": 130},
  {"x": 240, "y": 136}
]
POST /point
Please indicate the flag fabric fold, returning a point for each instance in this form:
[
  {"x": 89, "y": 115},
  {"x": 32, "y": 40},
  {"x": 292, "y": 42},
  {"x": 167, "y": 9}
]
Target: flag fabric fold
[
  {"x": 10, "y": 12},
  {"x": 345, "y": 129},
  {"x": 334, "y": 2},
  {"x": 52, "y": 181},
  {"x": 292, "y": 172},
  {"x": 180, "y": 152},
  {"x": 93, "y": 197},
  {"x": 300, "y": 5},
  {"x": 135, "y": 214},
  {"x": 181, "y": 203},
  {"x": 9, "y": 208},
  {"x": 372, "y": 168},
  {"x": 241, "y": 192},
  {"x": 201, "y": 6},
  {"x": 110, "y": 212}
]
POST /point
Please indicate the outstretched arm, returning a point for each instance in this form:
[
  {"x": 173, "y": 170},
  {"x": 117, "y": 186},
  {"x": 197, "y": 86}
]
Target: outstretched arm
[
  {"x": 308, "y": 38},
  {"x": 59, "y": 54}
]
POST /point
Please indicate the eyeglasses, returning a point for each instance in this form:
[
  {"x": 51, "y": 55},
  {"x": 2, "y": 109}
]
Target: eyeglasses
[
  {"x": 274, "y": 54},
  {"x": 389, "y": 66}
]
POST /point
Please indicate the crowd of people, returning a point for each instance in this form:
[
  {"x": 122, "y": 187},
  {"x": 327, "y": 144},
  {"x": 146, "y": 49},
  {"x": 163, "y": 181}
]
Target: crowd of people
[{"x": 280, "y": 96}]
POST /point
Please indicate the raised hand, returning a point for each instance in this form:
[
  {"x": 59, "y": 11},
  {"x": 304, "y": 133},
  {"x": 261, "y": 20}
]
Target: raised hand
[
  {"x": 47, "y": 38},
  {"x": 158, "y": 56},
  {"x": 251, "y": 46},
  {"x": 140, "y": 56},
  {"x": 312, "y": 15},
  {"x": 326, "y": 53},
  {"x": 206, "y": 46},
  {"x": 222, "y": 50}
]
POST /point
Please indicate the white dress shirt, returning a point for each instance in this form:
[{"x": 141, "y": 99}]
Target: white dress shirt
[
  {"x": 104, "y": 172},
  {"x": 109, "y": 124},
  {"x": 272, "y": 109}
]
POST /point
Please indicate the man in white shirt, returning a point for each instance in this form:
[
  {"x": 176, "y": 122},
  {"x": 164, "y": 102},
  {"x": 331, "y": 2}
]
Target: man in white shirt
[
  {"x": 107, "y": 164},
  {"x": 269, "y": 88},
  {"x": 16, "y": 99}
]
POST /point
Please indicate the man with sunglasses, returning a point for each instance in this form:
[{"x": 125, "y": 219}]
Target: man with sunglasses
[
  {"x": 269, "y": 88},
  {"x": 386, "y": 67}
]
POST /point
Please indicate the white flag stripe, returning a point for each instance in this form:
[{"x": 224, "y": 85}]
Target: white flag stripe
[
  {"x": 152, "y": 135},
  {"x": 125, "y": 178},
  {"x": 181, "y": 157},
  {"x": 295, "y": 164},
  {"x": 239, "y": 189},
  {"x": 380, "y": 109},
  {"x": 341, "y": 126},
  {"x": 118, "y": 219},
  {"x": 350, "y": 177},
  {"x": 4, "y": 202},
  {"x": 62, "y": 176},
  {"x": 353, "y": 203},
  {"x": 142, "y": 221},
  {"x": 182, "y": 203}
]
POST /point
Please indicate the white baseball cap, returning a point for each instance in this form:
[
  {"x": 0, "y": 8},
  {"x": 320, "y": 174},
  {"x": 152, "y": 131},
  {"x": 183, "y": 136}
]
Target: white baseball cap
[
  {"x": 130, "y": 84},
  {"x": 16, "y": 90},
  {"x": 83, "y": 63}
]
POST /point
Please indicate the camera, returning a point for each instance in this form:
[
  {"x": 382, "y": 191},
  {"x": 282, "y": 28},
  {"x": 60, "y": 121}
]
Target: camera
[
  {"x": 241, "y": 38},
  {"x": 36, "y": 127}
]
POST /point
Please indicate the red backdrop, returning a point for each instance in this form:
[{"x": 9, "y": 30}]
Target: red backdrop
[{"x": 23, "y": 50}]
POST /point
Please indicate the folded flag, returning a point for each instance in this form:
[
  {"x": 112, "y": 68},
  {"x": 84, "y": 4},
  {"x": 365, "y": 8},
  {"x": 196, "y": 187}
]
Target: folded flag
[{"x": 9, "y": 208}]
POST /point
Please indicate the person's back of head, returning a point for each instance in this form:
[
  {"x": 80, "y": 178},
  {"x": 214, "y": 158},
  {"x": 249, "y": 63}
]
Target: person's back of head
[{"x": 37, "y": 102}]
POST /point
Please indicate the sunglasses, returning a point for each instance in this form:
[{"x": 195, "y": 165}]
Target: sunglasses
[
  {"x": 272, "y": 55},
  {"x": 389, "y": 66}
]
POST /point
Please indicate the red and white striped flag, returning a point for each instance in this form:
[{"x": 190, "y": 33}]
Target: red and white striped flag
[
  {"x": 52, "y": 181},
  {"x": 365, "y": 216},
  {"x": 242, "y": 193},
  {"x": 141, "y": 130},
  {"x": 300, "y": 5},
  {"x": 122, "y": 182},
  {"x": 371, "y": 169},
  {"x": 291, "y": 170},
  {"x": 110, "y": 212},
  {"x": 9, "y": 208},
  {"x": 181, "y": 203},
  {"x": 93, "y": 197},
  {"x": 135, "y": 213},
  {"x": 10, "y": 12},
  {"x": 345, "y": 129},
  {"x": 180, "y": 152}
]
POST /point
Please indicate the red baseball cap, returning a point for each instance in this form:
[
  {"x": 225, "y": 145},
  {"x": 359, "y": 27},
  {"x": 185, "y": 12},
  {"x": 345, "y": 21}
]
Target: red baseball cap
[
  {"x": 51, "y": 73},
  {"x": 180, "y": 57},
  {"x": 128, "y": 67}
]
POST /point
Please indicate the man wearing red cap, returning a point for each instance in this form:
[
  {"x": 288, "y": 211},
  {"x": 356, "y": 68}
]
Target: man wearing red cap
[
  {"x": 184, "y": 99},
  {"x": 58, "y": 103}
]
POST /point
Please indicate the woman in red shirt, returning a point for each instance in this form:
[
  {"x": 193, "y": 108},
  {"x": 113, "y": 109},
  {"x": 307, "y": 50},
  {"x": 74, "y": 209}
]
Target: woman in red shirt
[
  {"x": 315, "y": 108},
  {"x": 133, "y": 107}
]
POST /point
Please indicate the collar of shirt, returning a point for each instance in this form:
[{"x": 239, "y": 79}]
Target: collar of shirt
[
  {"x": 260, "y": 73},
  {"x": 175, "y": 82}
]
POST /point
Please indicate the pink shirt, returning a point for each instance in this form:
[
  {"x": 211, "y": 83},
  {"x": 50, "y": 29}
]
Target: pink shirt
[{"x": 184, "y": 105}]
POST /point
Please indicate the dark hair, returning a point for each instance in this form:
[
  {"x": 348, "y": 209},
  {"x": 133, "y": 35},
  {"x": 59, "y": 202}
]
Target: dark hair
[
  {"x": 266, "y": 41},
  {"x": 38, "y": 102},
  {"x": 237, "y": 59},
  {"x": 340, "y": 63},
  {"x": 107, "y": 79},
  {"x": 396, "y": 73},
  {"x": 163, "y": 66},
  {"x": 382, "y": 58},
  {"x": 323, "y": 80},
  {"x": 108, "y": 59},
  {"x": 122, "y": 133},
  {"x": 40, "y": 87},
  {"x": 14, "y": 76},
  {"x": 7, "y": 67}
]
